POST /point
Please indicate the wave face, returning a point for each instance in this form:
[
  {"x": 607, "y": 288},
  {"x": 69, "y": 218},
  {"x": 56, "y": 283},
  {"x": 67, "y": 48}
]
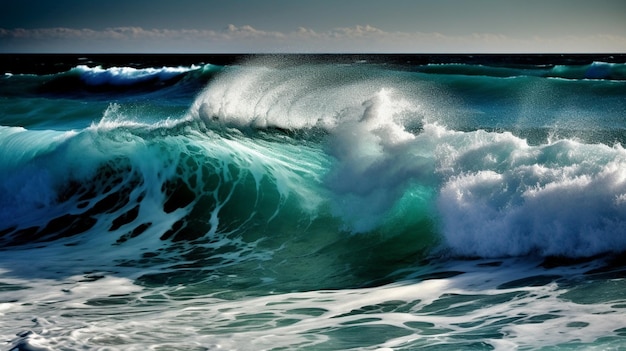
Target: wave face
[
  {"x": 390, "y": 200},
  {"x": 391, "y": 136}
]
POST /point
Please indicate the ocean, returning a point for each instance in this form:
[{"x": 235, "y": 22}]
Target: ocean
[{"x": 312, "y": 202}]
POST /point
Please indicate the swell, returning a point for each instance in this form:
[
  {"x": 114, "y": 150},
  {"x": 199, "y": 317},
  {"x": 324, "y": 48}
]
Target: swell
[
  {"x": 592, "y": 71},
  {"x": 96, "y": 82}
]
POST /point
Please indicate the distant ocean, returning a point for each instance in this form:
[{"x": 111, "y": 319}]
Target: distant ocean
[{"x": 313, "y": 202}]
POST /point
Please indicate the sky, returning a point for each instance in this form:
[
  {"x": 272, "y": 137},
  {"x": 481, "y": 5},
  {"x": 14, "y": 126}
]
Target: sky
[{"x": 303, "y": 26}]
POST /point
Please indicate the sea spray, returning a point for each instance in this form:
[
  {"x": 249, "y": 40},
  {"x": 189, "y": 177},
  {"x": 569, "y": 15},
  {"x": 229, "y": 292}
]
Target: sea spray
[{"x": 496, "y": 195}]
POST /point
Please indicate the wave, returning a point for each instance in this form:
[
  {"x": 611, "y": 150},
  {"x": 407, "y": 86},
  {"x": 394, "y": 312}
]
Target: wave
[
  {"x": 185, "y": 198},
  {"x": 128, "y": 75},
  {"x": 357, "y": 155},
  {"x": 492, "y": 193},
  {"x": 129, "y": 161},
  {"x": 96, "y": 82},
  {"x": 595, "y": 70},
  {"x": 333, "y": 199}
]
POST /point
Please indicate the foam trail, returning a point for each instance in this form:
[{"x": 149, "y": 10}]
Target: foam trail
[{"x": 481, "y": 302}]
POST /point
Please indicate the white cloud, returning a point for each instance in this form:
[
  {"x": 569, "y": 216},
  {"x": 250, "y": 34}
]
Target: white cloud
[
  {"x": 361, "y": 38},
  {"x": 359, "y": 32},
  {"x": 250, "y": 32}
]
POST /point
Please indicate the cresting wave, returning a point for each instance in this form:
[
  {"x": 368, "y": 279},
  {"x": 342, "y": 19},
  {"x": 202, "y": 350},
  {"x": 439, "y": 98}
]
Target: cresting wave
[
  {"x": 318, "y": 149},
  {"x": 491, "y": 193}
]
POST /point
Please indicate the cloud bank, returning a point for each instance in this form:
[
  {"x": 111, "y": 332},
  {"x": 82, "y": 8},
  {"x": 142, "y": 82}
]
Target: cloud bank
[{"x": 360, "y": 38}]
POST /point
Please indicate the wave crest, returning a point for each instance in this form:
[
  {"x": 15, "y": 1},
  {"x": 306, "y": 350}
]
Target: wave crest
[{"x": 491, "y": 193}]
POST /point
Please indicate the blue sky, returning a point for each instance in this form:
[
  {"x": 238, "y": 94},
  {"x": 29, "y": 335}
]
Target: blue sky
[{"x": 313, "y": 26}]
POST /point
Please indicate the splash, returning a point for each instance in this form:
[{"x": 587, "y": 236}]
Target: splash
[{"x": 492, "y": 193}]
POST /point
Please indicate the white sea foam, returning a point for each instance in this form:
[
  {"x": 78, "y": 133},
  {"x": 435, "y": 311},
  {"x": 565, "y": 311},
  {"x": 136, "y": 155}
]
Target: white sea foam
[
  {"x": 75, "y": 312},
  {"x": 503, "y": 197}
]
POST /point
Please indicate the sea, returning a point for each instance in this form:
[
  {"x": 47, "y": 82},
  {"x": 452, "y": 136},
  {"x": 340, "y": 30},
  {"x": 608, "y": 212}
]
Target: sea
[{"x": 312, "y": 202}]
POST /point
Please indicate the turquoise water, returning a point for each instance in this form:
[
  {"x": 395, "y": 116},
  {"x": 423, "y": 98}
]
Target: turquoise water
[{"x": 293, "y": 203}]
